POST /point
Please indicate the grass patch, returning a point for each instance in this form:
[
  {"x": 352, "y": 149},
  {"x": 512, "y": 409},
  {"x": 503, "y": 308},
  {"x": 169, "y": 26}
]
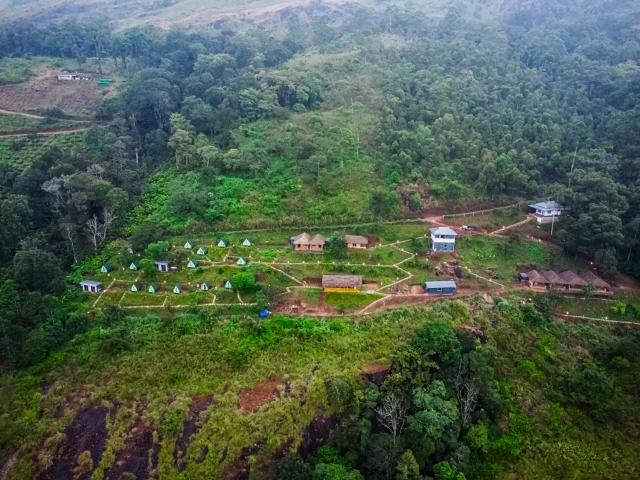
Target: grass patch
[{"x": 350, "y": 302}]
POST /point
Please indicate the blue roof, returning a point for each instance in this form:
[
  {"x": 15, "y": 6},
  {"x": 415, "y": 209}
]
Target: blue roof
[
  {"x": 162, "y": 262},
  {"x": 548, "y": 205},
  {"x": 91, "y": 283},
  {"x": 264, "y": 313},
  {"x": 440, "y": 284},
  {"x": 443, "y": 231}
]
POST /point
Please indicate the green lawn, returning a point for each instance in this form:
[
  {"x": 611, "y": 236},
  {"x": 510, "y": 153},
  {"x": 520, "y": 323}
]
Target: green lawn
[
  {"x": 499, "y": 258},
  {"x": 350, "y": 302}
]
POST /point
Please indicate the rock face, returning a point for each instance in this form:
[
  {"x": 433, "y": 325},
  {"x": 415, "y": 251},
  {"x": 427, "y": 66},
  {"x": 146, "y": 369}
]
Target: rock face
[{"x": 79, "y": 454}]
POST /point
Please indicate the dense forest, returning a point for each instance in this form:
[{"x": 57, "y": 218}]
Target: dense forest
[{"x": 356, "y": 113}]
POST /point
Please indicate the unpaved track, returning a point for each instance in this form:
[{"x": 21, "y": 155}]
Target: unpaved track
[
  {"x": 22, "y": 114},
  {"x": 50, "y": 133}
]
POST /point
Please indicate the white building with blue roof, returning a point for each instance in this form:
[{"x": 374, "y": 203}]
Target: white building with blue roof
[
  {"x": 547, "y": 212},
  {"x": 443, "y": 239}
]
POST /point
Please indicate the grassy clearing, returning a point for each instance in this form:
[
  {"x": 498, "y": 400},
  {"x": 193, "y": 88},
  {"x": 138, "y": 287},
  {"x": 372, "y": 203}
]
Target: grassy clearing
[
  {"x": 14, "y": 70},
  {"x": 350, "y": 302},
  {"x": 499, "y": 258},
  {"x": 618, "y": 309},
  {"x": 489, "y": 221}
]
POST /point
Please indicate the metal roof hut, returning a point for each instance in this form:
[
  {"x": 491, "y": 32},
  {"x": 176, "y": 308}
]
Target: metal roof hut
[
  {"x": 204, "y": 286},
  {"x": 162, "y": 265},
  {"x": 341, "y": 283},
  {"x": 188, "y": 245},
  {"x": 177, "y": 289},
  {"x": 441, "y": 287},
  {"x": 192, "y": 263},
  {"x": 246, "y": 242},
  {"x": 136, "y": 287},
  {"x": 223, "y": 243},
  {"x": 91, "y": 286},
  {"x": 153, "y": 288},
  {"x": 241, "y": 261},
  {"x": 134, "y": 266},
  {"x": 228, "y": 285},
  {"x": 202, "y": 250}
]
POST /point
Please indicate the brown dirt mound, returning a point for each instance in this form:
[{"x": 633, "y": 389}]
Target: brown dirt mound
[
  {"x": 376, "y": 372},
  {"x": 133, "y": 458},
  {"x": 87, "y": 433},
  {"x": 252, "y": 399},
  {"x": 198, "y": 405}
]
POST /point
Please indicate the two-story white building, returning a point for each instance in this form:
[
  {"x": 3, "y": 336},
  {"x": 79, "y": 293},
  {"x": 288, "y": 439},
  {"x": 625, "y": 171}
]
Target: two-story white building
[
  {"x": 443, "y": 239},
  {"x": 547, "y": 212}
]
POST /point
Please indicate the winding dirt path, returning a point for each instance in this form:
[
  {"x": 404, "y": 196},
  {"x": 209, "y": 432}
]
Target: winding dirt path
[{"x": 22, "y": 114}]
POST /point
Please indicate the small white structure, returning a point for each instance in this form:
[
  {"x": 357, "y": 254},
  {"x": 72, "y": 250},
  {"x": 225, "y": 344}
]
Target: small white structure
[
  {"x": 91, "y": 286},
  {"x": 246, "y": 243},
  {"x": 228, "y": 285},
  {"x": 547, "y": 212},
  {"x": 241, "y": 261},
  {"x": 188, "y": 245}
]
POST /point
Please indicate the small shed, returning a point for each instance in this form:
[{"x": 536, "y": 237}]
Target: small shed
[
  {"x": 356, "y": 241},
  {"x": 134, "y": 266},
  {"x": 552, "y": 278},
  {"x": 106, "y": 268},
  {"x": 91, "y": 286},
  {"x": 223, "y": 243},
  {"x": 136, "y": 287},
  {"x": 241, "y": 261},
  {"x": 440, "y": 287},
  {"x": 188, "y": 245},
  {"x": 246, "y": 243},
  {"x": 228, "y": 285},
  {"x": 535, "y": 279},
  {"x": 192, "y": 263},
  {"x": 523, "y": 277},
  {"x": 162, "y": 265},
  {"x": 153, "y": 288},
  {"x": 202, "y": 250},
  {"x": 177, "y": 289},
  {"x": 205, "y": 287},
  {"x": 341, "y": 283}
]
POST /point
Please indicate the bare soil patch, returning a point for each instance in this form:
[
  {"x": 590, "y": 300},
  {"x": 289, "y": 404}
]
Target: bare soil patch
[
  {"x": 87, "y": 433},
  {"x": 74, "y": 97},
  {"x": 252, "y": 399},
  {"x": 376, "y": 372},
  {"x": 198, "y": 405}
]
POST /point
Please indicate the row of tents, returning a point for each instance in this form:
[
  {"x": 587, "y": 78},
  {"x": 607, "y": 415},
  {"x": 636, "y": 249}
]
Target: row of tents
[
  {"x": 178, "y": 288},
  {"x": 222, "y": 243}
]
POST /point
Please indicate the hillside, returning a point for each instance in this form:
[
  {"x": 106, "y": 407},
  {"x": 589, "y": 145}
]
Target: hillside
[{"x": 223, "y": 246}]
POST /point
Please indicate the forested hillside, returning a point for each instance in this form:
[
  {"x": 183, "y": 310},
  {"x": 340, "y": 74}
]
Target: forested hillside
[{"x": 289, "y": 115}]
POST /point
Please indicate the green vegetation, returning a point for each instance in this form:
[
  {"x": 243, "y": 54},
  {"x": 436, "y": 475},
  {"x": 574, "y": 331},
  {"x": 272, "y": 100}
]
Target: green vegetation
[
  {"x": 14, "y": 70},
  {"x": 334, "y": 119}
]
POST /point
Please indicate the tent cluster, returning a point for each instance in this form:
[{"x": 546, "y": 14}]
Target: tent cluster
[
  {"x": 177, "y": 288},
  {"x": 222, "y": 243}
]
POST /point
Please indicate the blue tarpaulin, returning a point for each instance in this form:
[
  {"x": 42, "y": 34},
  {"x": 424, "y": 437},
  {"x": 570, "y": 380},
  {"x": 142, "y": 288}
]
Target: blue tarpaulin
[{"x": 264, "y": 313}]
